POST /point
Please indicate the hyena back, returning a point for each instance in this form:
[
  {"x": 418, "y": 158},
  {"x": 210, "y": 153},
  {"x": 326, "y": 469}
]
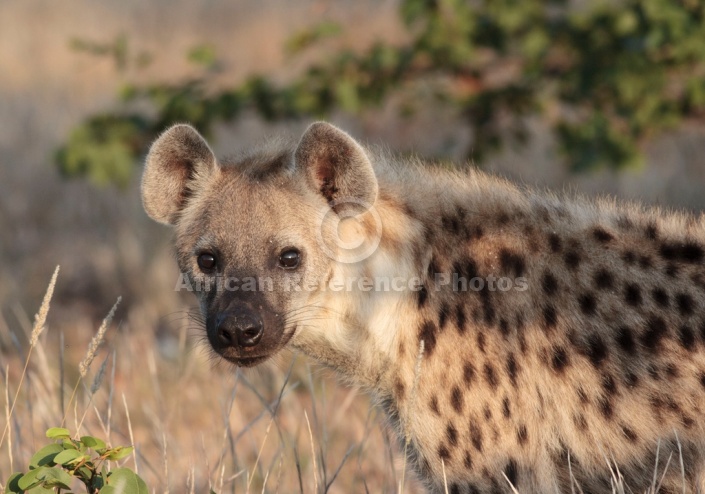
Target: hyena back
[{"x": 527, "y": 340}]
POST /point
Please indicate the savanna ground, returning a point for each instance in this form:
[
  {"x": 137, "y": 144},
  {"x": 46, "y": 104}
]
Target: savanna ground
[{"x": 195, "y": 422}]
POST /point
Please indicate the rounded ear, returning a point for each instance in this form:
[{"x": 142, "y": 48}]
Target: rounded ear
[
  {"x": 336, "y": 166},
  {"x": 176, "y": 163}
]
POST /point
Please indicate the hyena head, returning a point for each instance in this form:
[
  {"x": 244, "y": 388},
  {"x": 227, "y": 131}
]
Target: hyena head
[{"x": 259, "y": 236}]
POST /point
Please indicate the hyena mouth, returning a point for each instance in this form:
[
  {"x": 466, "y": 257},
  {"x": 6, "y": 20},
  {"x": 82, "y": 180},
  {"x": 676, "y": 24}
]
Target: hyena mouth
[{"x": 246, "y": 361}]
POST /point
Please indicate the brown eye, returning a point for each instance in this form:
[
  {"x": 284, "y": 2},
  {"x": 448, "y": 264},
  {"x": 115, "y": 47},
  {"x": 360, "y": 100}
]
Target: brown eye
[
  {"x": 206, "y": 261},
  {"x": 289, "y": 258}
]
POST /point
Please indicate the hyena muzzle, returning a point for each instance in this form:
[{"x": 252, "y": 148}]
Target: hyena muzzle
[{"x": 516, "y": 339}]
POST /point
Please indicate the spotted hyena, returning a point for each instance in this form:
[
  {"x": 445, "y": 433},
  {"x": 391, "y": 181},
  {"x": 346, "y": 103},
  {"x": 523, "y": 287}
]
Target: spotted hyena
[{"x": 513, "y": 337}]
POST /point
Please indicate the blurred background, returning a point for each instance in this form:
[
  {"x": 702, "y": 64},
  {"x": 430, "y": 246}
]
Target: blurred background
[{"x": 588, "y": 96}]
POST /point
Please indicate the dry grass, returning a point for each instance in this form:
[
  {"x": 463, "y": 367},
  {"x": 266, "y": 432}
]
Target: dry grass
[{"x": 196, "y": 424}]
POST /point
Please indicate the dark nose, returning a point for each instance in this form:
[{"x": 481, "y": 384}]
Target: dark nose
[{"x": 243, "y": 329}]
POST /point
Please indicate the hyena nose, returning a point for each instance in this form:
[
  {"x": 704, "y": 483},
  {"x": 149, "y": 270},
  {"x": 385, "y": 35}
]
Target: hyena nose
[{"x": 243, "y": 330}]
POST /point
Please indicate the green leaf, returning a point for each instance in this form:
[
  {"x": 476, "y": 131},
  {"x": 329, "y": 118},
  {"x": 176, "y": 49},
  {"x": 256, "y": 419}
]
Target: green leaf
[
  {"x": 12, "y": 483},
  {"x": 68, "y": 456},
  {"x": 119, "y": 452},
  {"x": 58, "y": 433},
  {"x": 69, "y": 444},
  {"x": 31, "y": 478},
  {"x": 45, "y": 456},
  {"x": 57, "y": 477},
  {"x": 93, "y": 442},
  {"x": 125, "y": 481}
]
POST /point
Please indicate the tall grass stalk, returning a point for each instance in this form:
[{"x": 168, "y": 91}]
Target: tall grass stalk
[
  {"x": 90, "y": 355},
  {"x": 39, "y": 324}
]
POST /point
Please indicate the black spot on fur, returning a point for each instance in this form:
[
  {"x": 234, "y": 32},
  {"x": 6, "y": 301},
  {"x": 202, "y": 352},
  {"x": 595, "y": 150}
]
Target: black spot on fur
[
  {"x": 399, "y": 389},
  {"x": 596, "y": 350},
  {"x": 421, "y": 297},
  {"x": 672, "y": 371},
  {"x": 657, "y": 405},
  {"x": 605, "y": 407},
  {"x": 454, "y": 489},
  {"x": 582, "y": 396},
  {"x": 549, "y": 284},
  {"x": 629, "y": 434},
  {"x": 603, "y": 279},
  {"x": 512, "y": 369},
  {"x": 427, "y": 333},
  {"x": 580, "y": 422},
  {"x": 602, "y": 235},
  {"x": 491, "y": 376},
  {"x": 688, "y": 252},
  {"x": 671, "y": 270},
  {"x": 625, "y": 340},
  {"x": 572, "y": 259},
  {"x": 467, "y": 461},
  {"x": 632, "y": 294},
  {"x": 506, "y": 411},
  {"x": 655, "y": 331},
  {"x": 629, "y": 257},
  {"x": 456, "y": 399},
  {"x": 487, "y": 413},
  {"x": 702, "y": 379},
  {"x": 511, "y": 472},
  {"x": 476, "y": 437},
  {"x": 549, "y": 316},
  {"x": 481, "y": 341},
  {"x": 443, "y": 453},
  {"x": 522, "y": 435},
  {"x": 685, "y": 303},
  {"x": 468, "y": 373},
  {"x": 450, "y": 223},
  {"x": 443, "y": 315},
  {"x": 452, "y": 435},
  {"x": 686, "y": 337},
  {"x": 645, "y": 262},
  {"x": 609, "y": 384},
  {"x": 488, "y": 307},
  {"x": 466, "y": 268},
  {"x": 433, "y": 404},
  {"x": 560, "y": 360},
  {"x": 661, "y": 297},
  {"x": 460, "y": 318},
  {"x": 512, "y": 263},
  {"x": 588, "y": 304},
  {"x": 651, "y": 232},
  {"x": 632, "y": 380},
  {"x": 687, "y": 421},
  {"x": 554, "y": 242},
  {"x": 504, "y": 327},
  {"x": 433, "y": 269},
  {"x": 654, "y": 372}
]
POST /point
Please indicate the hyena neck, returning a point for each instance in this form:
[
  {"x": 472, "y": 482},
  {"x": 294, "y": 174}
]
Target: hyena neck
[{"x": 377, "y": 334}]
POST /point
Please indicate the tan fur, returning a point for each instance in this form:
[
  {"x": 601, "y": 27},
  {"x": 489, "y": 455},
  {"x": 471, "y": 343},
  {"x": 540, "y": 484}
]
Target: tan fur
[{"x": 591, "y": 369}]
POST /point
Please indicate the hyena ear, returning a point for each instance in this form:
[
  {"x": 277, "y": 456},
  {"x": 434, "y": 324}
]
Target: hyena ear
[
  {"x": 336, "y": 165},
  {"x": 176, "y": 162}
]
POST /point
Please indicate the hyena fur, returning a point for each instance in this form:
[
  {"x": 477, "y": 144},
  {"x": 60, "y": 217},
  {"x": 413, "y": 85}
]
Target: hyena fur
[{"x": 588, "y": 370}]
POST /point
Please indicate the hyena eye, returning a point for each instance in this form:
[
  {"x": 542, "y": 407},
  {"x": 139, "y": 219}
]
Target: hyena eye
[
  {"x": 289, "y": 258},
  {"x": 206, "y": 261}
]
